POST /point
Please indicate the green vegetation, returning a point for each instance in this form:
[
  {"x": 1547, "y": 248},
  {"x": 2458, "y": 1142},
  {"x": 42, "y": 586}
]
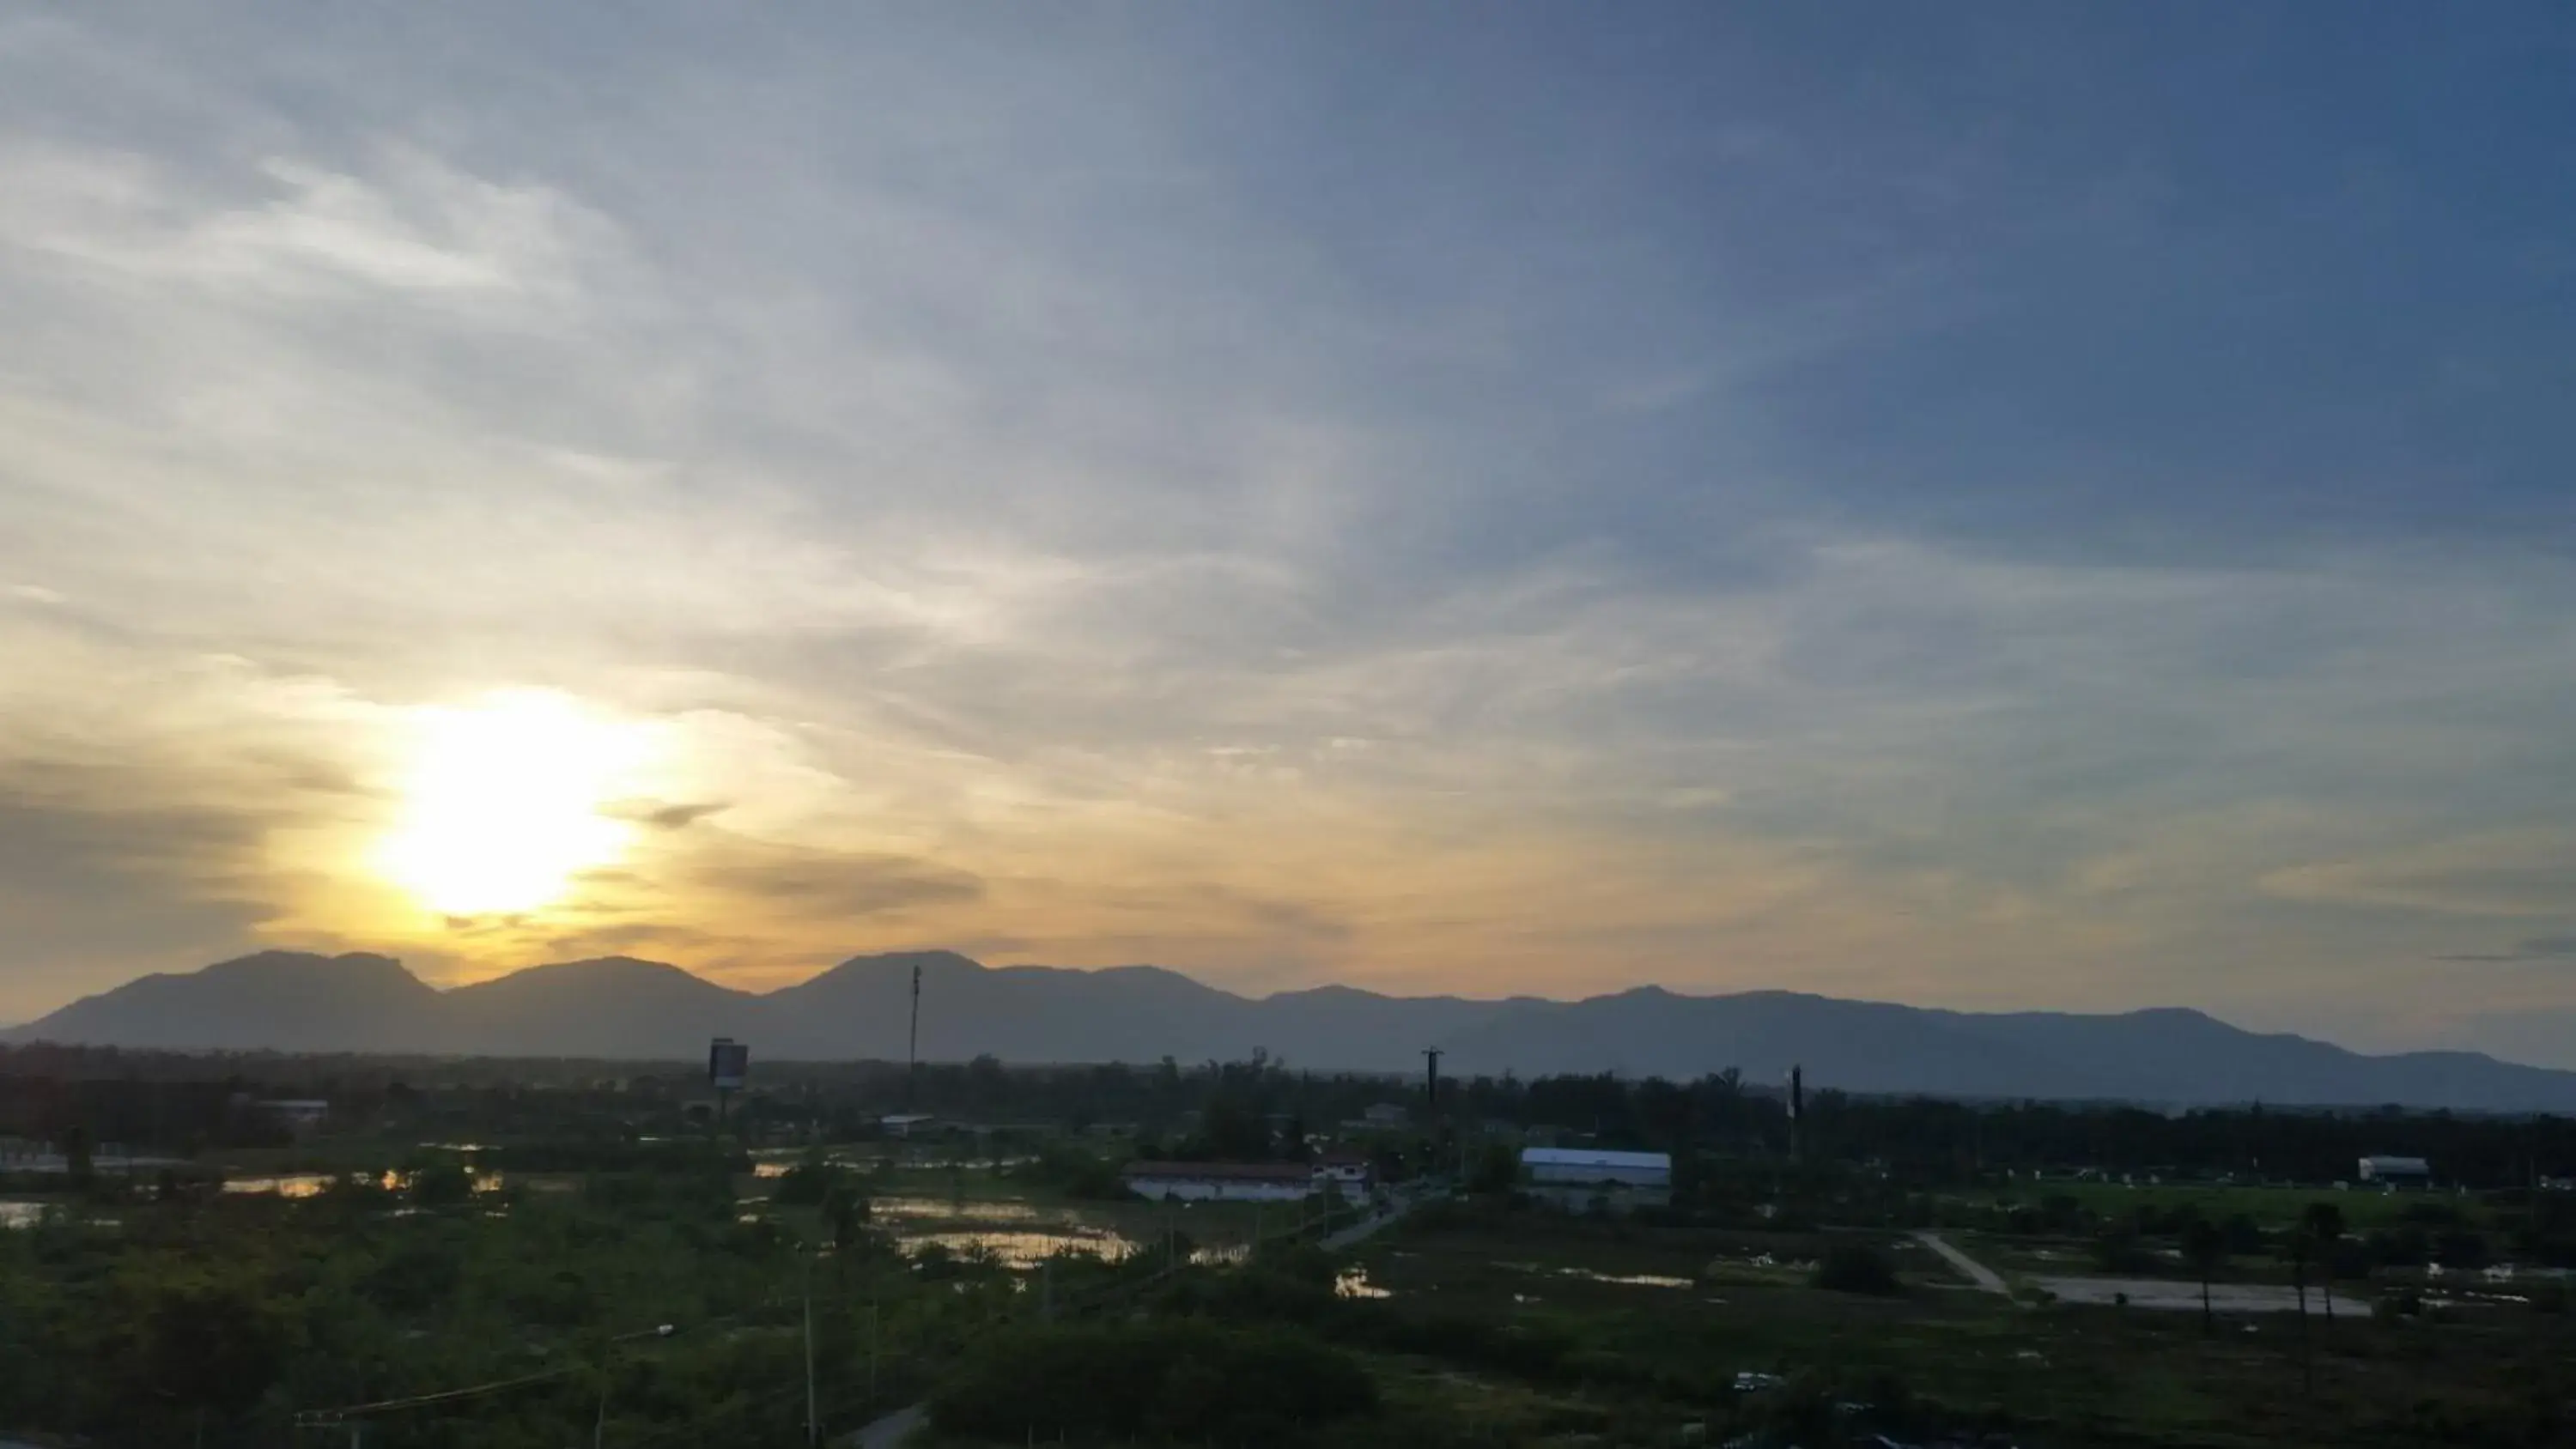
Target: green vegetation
[
  {"x": 491, "y": 1260},
  {"x": 1856, "y": 1268},
  {"x": 1167, "y": 1381}
]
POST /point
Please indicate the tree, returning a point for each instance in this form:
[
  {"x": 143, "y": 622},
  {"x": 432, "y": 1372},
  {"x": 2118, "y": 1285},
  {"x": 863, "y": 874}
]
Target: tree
[
  {"x": 846, "y": 1210},
  {"x": 1856, "y": 1268},
  {"x": 205, "y": 1338},
  {"x": 1496, "y": 1169},
  {"x": 443, "y": 1184},
  {"x": 2204, "y": 1247},
  {"x": 2322, "y": 1224},
  {"x": 1232, "y": 1129},
  {"x": 76, "y": 1155}
]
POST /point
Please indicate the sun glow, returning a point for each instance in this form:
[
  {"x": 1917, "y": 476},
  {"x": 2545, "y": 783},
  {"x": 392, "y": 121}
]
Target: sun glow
[{"x": 502, "y": 803}]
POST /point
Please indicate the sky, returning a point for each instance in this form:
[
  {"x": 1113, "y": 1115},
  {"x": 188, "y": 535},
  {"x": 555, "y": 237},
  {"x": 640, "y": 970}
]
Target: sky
[{"x": 2005, "y": 506}]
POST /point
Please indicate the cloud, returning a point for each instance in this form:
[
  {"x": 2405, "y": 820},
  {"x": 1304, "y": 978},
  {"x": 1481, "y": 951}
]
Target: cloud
[
  {"x": 417, "y": 228},
  {"x": 2517, "y": 873},
  {"x": 661, "y": 816},
  {"x": 1065, "y": 502},
  {"x": 808, "y": 884},
  {"x": 90, "y": 893},
  {"x": 2534, "y": 948}
]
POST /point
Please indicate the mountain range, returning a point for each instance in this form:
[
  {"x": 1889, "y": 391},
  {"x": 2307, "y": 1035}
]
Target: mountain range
[{"x": 619, "y": 1007}]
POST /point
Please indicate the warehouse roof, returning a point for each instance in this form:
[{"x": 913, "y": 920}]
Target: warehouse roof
[
  {"x": 1588, "y": 1157},
  {"x": 1224, "y": 1171}
]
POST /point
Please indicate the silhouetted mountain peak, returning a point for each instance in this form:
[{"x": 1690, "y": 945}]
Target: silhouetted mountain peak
[
  {"x": 272, "y": 965},
  {"x": 602, "y": 970},
  {"x": 901, "y": 963},
  {"x": 622, "y": 1006}
]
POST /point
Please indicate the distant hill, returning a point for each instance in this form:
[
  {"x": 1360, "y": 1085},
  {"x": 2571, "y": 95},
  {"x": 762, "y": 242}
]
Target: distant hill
[
  {"x": 621, "y": 1007},
  {"x": 287, "y": 1000}
]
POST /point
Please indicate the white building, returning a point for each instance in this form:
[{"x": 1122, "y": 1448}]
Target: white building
[
  {"x": 2396, "y": 1171},
  {"x": 1221, "y": 1181},
  {"x": 299, "y": 1113},
  {"x": 1589, "y": 1167},
  {"x": 1348, "y": 1171}
]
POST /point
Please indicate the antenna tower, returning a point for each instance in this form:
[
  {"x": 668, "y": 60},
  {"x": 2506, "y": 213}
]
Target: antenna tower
[{"x": 912, "y": 1047}]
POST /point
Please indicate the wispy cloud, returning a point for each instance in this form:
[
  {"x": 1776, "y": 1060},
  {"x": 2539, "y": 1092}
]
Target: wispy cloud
[
  {"x": 2530, "y": 949},
  {"x": 1078, "y": 492}
]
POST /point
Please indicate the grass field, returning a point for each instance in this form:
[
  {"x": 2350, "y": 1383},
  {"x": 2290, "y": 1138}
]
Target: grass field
[
  {"x": 2271, "y": 1207},
  {"x": 1700, "y": 1308}
]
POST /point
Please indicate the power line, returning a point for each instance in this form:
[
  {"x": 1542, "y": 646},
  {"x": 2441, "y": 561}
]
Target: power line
[{"x": 319, "y": 1418}]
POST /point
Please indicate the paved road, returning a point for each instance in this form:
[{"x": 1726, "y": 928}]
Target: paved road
[
  {"x": 2172, "y": 1294},
  {"x": 891, "y": 1430},
  {"x": 1358, "y": 1232},
  {"x": 1978, "y": 1273},
  {"x": 2182, "y": 1296}
]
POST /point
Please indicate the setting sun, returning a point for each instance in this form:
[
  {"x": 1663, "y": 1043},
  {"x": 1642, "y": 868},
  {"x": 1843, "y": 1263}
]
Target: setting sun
[{"x": 502, "y": 803}]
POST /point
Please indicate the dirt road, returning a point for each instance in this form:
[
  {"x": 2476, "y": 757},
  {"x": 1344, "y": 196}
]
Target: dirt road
[{"x": 1976, "y": 1272}]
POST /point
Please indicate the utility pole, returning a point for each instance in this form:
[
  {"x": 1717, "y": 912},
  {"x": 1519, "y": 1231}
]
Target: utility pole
[
  {"x": 813, "y": 1420},
  {"x": 872, "y": 1357},
  {"x": 1797, "y": 1108},
  {"x": 912, "y": 1048}
]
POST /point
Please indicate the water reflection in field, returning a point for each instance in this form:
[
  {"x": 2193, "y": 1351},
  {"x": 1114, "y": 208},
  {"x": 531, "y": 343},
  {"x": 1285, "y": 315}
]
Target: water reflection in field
[
  {"x": 920, "y": 1209},
  {"x": 1023, "y": 1248},
  {"x": 1354, "y": 1283},
  {"x": 294, "y": 1184},
  {"x": 314, "y": 1184}
]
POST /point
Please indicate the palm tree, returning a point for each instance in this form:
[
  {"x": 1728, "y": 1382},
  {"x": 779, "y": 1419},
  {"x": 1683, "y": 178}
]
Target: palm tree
[
  {"x": 2205, "y": 1248},
  {"x": 2323, "y": 1225}
]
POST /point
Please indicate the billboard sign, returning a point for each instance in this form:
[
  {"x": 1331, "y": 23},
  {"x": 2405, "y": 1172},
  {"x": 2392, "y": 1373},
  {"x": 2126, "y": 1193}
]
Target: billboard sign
[{"x": 728, "y": 1063}]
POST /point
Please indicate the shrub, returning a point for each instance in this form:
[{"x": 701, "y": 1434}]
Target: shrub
[
  {"x": 1184, "y": 1382},
  {"x": 1856, "y": 1268},
  {"x": 2119, "y": 1251},
  {"x": 443, "y": 1185},
  {"x": 1523, "y": 1350},
  {"x": 808, "y": 1183}
]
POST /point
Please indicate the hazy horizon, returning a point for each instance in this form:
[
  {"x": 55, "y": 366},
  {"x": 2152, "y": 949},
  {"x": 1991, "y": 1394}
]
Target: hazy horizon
[
  {"x": 1254, "y": 995},
  {"x": 2032, "y": 508}
]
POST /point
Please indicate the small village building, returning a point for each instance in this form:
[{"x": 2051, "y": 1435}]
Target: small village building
[
  {"x": 1592, "y": 1167},
  {"x": 1344, "y": 1169},
  {"x": 1586, "y": 1179},
  {"x": 2396, "y": 1171},
  {"x": 1221, "y": 1181}
]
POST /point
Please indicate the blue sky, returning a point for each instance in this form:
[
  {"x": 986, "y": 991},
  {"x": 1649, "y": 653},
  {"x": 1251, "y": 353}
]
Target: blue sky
[{"x": 2032, "y": 506}]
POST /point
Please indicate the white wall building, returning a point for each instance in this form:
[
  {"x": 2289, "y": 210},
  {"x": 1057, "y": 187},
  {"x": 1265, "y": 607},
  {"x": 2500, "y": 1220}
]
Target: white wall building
[
  {"x": 1221, "y": 1181},
  {"x": 1590, "y": 1167},
  {"x": 2396, "y": 1171},
  {"x": 1348, "y": 1171}
]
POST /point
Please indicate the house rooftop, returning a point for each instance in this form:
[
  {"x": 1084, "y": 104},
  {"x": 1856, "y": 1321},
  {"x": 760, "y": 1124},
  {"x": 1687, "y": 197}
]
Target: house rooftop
[
  {"x": 1222, "y": 1171},
  {"x": 1592, "y": 1157}
]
